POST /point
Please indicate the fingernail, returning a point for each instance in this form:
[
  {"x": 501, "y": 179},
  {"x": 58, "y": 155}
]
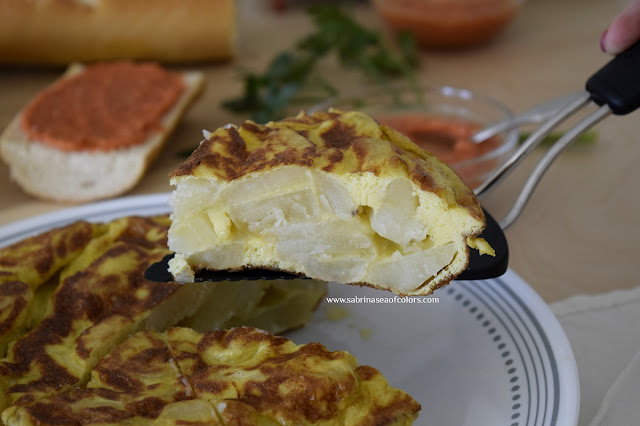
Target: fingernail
[{"x": 602, "y": 40}]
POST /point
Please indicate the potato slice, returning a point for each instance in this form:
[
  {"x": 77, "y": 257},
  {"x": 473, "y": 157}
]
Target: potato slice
[{"x": 333, "y": 196}]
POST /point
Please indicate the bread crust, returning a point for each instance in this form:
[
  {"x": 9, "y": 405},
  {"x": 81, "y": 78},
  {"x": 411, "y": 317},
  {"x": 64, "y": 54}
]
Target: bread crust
[
  {"x": 65, "y": 31},
  {"x": 52, "y": 174}
]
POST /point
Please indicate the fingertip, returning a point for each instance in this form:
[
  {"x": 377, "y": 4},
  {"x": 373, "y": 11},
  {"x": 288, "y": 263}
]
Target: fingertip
[
  {"x": 623, "y": 31},
  {"x": 603, "y": 40},
  {"x": 614, "y": 41}
]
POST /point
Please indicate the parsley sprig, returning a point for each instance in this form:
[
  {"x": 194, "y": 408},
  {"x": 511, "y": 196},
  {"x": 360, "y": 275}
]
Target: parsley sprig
[{"x": 292, "y": 77}]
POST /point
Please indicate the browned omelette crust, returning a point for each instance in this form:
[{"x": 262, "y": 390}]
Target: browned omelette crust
[
  {"x": 92, "y": 310},
  {"x": 136, "y": 380},
  {"x": 34, "y": 260},
  {"x": 28, "y": 264},
  {"x": 15, "y": 298},
  {"x": 335, "y": 141},
  {"x": 263, "y": 376},
  {"x": 241, "y": 376}
]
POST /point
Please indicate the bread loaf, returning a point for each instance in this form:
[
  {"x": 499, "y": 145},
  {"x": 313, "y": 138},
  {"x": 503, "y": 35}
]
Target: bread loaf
[{"x": 65, "y": 31}]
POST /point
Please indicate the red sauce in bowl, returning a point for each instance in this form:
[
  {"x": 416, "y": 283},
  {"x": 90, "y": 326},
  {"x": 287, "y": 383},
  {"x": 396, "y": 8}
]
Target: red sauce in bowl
[
  {"x": 449, "y": 139},
  {"x": 448, "y": 23}
]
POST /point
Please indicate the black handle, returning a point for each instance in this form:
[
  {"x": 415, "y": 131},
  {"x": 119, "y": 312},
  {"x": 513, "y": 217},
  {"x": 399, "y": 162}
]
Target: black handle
[{"x": 617, "y": 84}]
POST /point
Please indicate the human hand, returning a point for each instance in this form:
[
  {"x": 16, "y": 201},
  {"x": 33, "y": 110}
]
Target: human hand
[{"x": 623, "y": 31}]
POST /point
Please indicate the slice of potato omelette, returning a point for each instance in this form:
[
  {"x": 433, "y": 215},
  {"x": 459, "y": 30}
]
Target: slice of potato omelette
[
  {"x": 333, "y": 196},
  {"x": 30, "y": 264},
  {"x": 241, "y": 376},
  {"x": 69, "y": 296}
]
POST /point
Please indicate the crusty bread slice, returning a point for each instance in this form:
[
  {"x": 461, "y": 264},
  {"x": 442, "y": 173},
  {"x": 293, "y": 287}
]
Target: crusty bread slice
[{"x": 52, "y": 174}]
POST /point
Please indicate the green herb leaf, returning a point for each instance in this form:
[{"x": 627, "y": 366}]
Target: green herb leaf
[
  {"x": 268, "y": 95},
  {"x": 408, "y": 49},
  {"x": 588, "y": 138}
]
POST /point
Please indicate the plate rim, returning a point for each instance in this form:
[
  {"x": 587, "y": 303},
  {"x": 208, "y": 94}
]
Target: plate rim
[
  {"x": 42, "y": 222},
  {"x": 566, "y": 410}
]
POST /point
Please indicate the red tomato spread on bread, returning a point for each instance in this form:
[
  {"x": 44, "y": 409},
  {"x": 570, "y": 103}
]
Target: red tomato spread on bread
[{"x": 106, "y": 106}]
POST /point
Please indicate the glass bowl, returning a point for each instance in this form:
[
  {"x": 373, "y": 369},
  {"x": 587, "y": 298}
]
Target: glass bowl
[
  {"x": 441, "y": 120},
  {"x": 448, "y": 23}
]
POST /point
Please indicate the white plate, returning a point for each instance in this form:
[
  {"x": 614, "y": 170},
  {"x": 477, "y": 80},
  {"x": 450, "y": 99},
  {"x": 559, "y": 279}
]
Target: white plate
[{"x": 476, "y": 353}]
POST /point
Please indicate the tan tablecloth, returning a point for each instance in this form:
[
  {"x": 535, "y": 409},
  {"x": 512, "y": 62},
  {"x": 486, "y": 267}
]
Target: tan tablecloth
[
  {"x": 604, "y": 332},
  {"x": 582, "y": 224}
]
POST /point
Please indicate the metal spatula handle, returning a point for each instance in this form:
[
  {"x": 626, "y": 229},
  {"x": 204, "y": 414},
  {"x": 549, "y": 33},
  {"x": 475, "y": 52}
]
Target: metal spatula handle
[
  {"x": 615, "y": 87},
  {"x": 534, "y": 115}
]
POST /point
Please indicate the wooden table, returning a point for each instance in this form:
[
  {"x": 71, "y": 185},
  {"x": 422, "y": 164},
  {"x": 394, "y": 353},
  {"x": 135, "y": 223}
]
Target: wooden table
[{"x": 580, "y": 231}]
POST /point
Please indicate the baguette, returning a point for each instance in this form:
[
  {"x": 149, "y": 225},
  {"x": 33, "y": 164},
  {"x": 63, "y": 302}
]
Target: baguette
[
  {"x": 65, "y": 31},
  {"x": 53, "y": 174}
]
